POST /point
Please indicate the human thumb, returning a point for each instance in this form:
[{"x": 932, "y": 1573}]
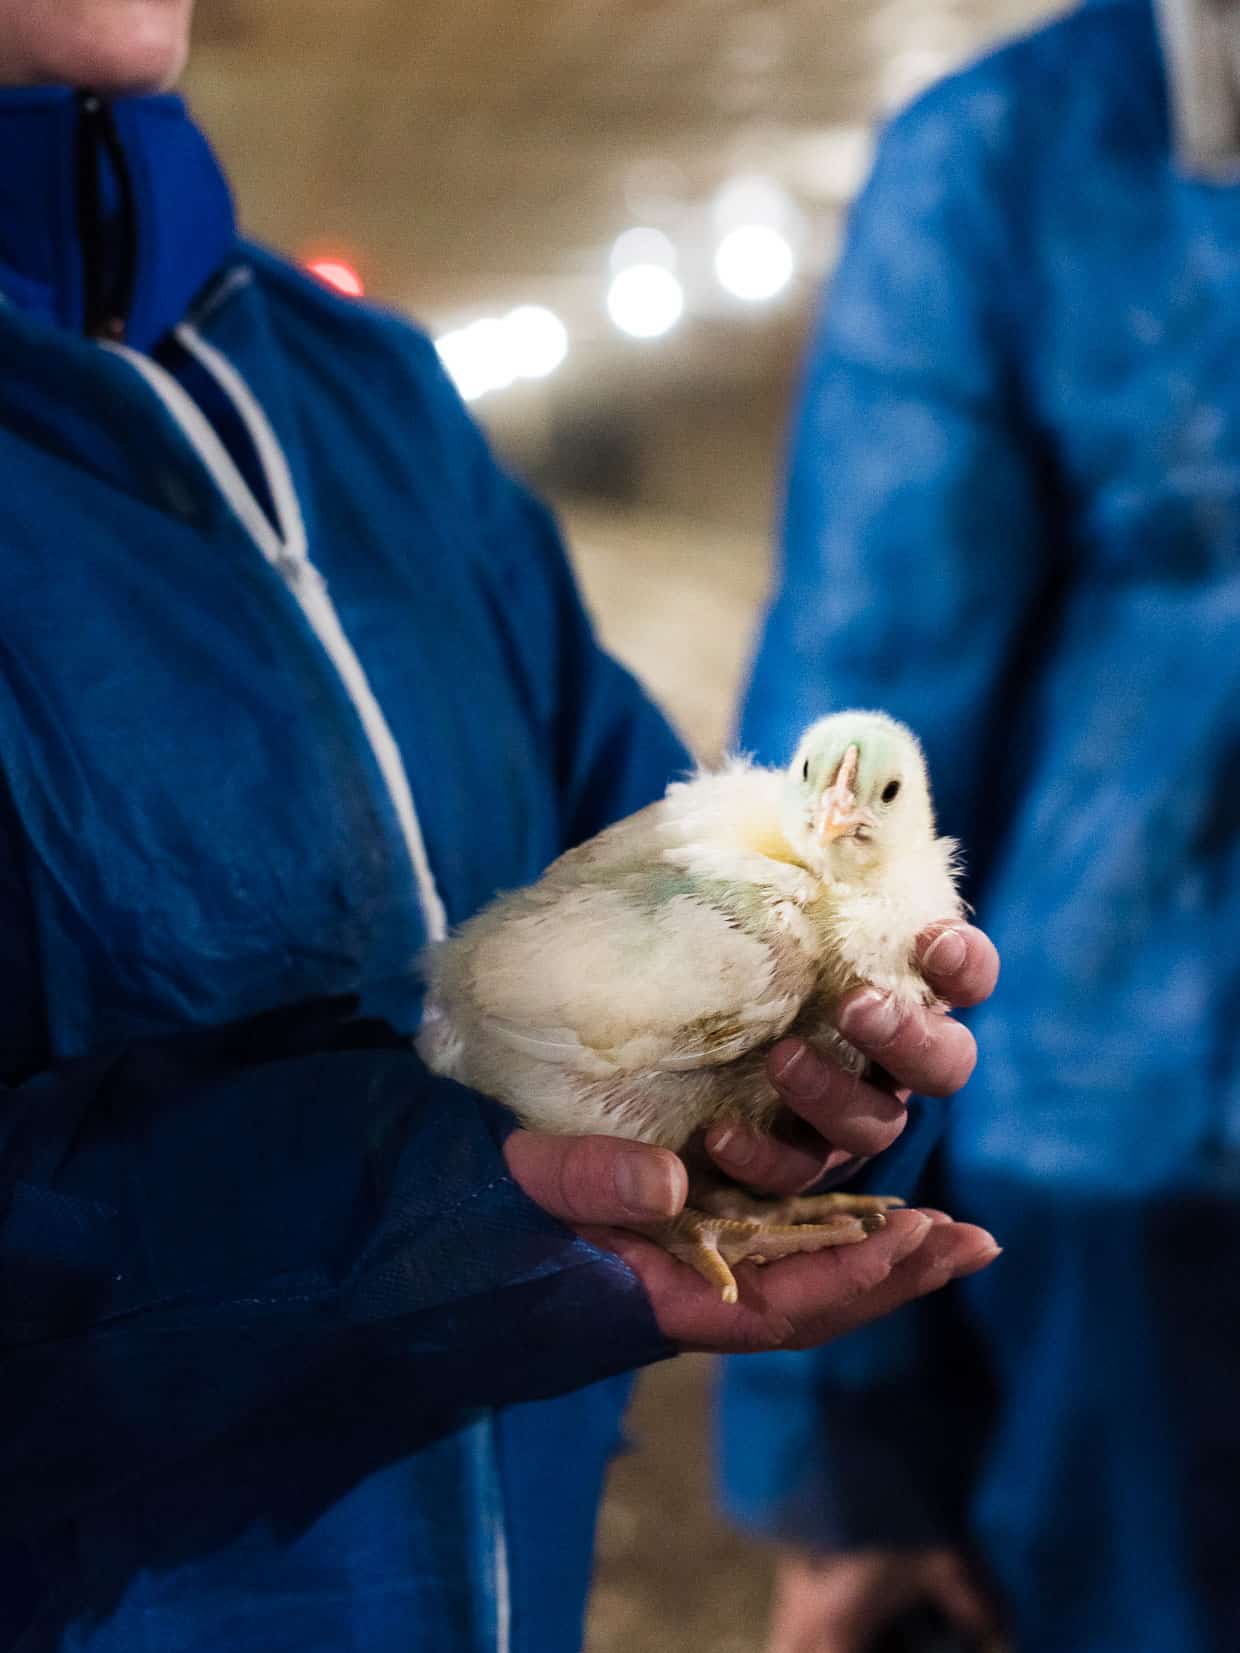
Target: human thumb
[{"x": 597, "y": 1179}]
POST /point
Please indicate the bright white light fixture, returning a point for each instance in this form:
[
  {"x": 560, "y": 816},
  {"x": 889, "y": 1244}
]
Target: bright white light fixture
[
  {"x": 537, "y": 340},
  {"x": 463, "y": 362},
  {"x": 754, "y": 262},
  {"x": 478, "y": 357},
  {"x": 489, "y": 354},
  {"x": 645, "y": 300}
]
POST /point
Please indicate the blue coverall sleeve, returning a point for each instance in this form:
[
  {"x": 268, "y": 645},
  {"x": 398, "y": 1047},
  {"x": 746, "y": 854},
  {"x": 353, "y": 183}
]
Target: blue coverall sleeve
[
  {"x": 196, "y": 1229},
  {"x": 293, "y": 1212},
  {"x": 917, "y": 573}
]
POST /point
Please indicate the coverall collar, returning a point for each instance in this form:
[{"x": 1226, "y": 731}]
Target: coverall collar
[{"x": 113, "y": 214}]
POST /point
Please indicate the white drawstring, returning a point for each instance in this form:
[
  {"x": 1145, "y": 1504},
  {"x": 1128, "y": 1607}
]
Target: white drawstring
[{"x": 288, "y": 551}]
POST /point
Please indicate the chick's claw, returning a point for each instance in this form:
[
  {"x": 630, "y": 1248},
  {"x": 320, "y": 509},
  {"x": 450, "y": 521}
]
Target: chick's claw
[{"x": 712, "y": 1243}]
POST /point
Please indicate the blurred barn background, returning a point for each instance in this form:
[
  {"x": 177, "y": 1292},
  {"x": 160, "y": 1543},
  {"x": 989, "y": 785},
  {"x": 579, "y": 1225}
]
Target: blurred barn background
[{"x": 615, "y": 217}]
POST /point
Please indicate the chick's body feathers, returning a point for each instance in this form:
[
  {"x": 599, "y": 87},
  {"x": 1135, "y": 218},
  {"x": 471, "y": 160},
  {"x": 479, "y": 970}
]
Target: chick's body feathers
[{"x": 636, "y": 989}]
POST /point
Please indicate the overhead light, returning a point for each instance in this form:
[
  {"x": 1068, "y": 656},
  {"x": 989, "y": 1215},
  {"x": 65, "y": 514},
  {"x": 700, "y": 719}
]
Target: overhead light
[
  {"x": 645, "y": 300},
  {"x": 470, "y": 358},
  {"x": 529, "y": 342},
  {"x": 537, "y": 340},
  {"x": 338, "y": 273},
  {"x": 754, "y": 262}
]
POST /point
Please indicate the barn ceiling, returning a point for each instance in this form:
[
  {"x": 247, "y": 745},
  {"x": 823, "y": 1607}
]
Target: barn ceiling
[{"x": 475, "y": 154}]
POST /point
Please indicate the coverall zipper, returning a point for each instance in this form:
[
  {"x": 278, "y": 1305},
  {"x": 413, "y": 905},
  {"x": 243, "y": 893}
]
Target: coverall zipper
[{"x": 107, "y": 283}]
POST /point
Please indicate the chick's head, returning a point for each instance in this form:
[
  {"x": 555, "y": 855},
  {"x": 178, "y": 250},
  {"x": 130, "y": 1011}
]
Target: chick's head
[{"x": 856, "y": 796}]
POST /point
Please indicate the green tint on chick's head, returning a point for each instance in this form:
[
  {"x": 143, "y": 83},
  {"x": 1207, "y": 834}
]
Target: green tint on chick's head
[{"x": 856, "y": 791}]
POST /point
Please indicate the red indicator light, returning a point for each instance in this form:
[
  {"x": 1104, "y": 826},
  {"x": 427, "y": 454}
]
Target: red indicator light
[{"x": 338, "y": 274}]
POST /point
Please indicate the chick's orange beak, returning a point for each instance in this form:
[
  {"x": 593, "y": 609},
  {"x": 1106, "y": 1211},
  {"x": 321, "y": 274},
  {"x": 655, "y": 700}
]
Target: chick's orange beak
[{"x": 838, "y": 813}]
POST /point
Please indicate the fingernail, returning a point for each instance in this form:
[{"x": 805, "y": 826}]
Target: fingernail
[
  {"x": 791, "y": 1058},
  {"x": 977, "y": 1260},
  {"x": 646, "y": 1186},
  {"x": 946, "y": 954},
  {"x": 801, "y": 1075},
  {"x": 873, "y": 1019},
  {"x": 914, "y": 1233},
  {"x": 737, "y": 1147}
]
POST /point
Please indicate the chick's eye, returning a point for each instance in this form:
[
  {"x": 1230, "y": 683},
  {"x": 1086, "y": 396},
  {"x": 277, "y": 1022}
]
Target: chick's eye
[
  {"x": 805, "y": 770},
  {"x": 890, "y": 791}
]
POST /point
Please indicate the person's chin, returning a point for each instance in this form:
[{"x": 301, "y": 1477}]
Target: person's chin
[
  {"x": 135, "y": 56},
  {"x": 131, "y": 73}
]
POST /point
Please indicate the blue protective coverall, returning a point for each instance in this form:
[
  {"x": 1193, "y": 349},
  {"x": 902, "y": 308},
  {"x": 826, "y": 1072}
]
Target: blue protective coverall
[
  {"x": 1014, "y": 521},
  {"x": 276, "y": 1330}
]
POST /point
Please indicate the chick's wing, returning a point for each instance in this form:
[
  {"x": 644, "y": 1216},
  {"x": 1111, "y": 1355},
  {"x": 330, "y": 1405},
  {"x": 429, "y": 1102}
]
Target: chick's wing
[{"x": 650, "y": 970}]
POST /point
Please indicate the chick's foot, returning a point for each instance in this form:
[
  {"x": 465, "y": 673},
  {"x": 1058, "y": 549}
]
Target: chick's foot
[
  {"x": 727, "y": 1201},
  {"x": 711, "y": 1242}
]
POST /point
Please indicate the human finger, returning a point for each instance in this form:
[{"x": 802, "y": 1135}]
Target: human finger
[
  {"x": 838, "y": 1117},
  {"x": 948, "y": 1251},
  {"x": 845, "y": 1108},
  {"x": 803, "y": 1300},
  {"x": 783, "y": 1161},
  {"x": 690, "y": 1311},
  {"x": 960, "y": 962},
  {"x": 923, "y": 1049},
  {"x": 597, "y": 1179}
]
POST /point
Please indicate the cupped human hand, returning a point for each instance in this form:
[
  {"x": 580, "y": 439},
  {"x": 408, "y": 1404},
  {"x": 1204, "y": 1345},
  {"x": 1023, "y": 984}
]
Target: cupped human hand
[
  {"x": 597, "y": 1184},
  {"x": 601, "y": 1185}
]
